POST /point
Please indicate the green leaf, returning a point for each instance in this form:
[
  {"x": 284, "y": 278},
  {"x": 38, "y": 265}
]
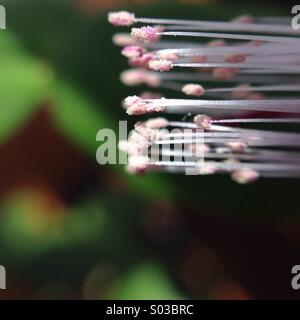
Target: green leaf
[
  {"x": 147, "y": 281},
  {"x": 24, "y": 84},
  {"x": 77, "y": 117}
]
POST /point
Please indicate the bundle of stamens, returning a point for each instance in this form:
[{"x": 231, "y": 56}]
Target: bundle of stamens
[{"x": 257, "y": 63}]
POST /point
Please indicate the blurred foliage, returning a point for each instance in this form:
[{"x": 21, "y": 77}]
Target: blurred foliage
[
  {"x": 143, "y": 283},
  {"x": 77, "y": 117},
  {"x": 39, "y": 236},
  {"x": 31, "y": 225},
  {"x": 24, "y": 84}
]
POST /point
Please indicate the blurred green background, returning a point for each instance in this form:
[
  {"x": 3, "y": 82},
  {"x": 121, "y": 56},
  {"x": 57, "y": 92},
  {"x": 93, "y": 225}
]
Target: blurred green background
[{"x": 72, "y": 229}]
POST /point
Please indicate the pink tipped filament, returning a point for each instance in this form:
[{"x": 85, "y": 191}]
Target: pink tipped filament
[
  {"x": 161, "y": 65},
  {"x": 132, "y": 52},
  {"x": 146, "y": 34},
  {"x": 193, "y": 90},
  {"x": 121, "y": 18}
]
